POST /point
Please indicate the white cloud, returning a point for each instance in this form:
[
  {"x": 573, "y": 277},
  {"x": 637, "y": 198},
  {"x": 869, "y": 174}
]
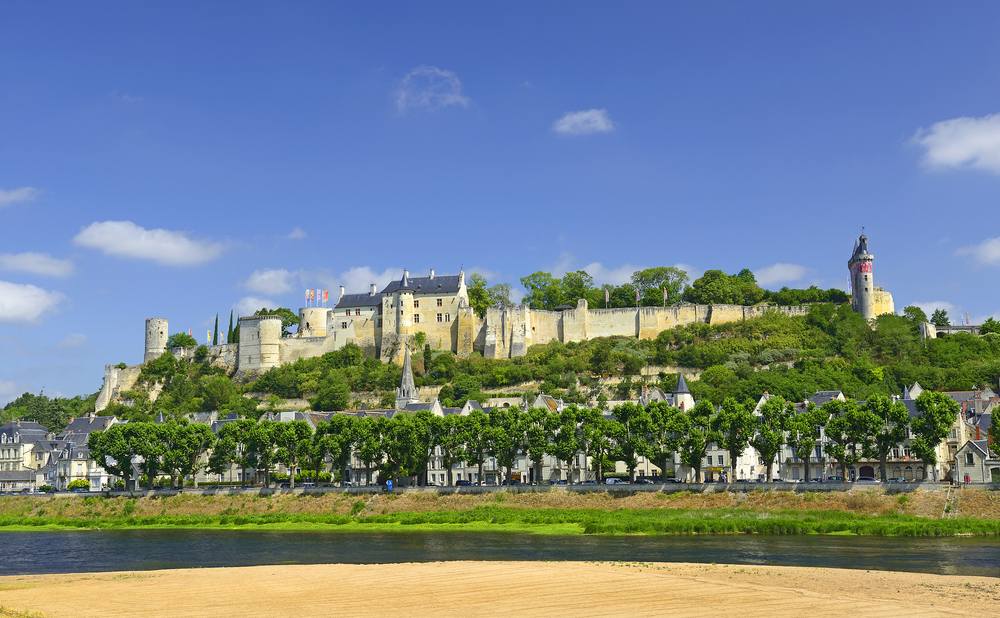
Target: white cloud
[
  {"x": 248, "y": 304},
  {"x": 614, "y": 276},
  {"x": 429, "y": 88},
  {"x": 357, "y": 279},
  {"x": 954, "y": 311},
  {"x": 584, "y": 123},
  {"x": 9, "y": 391},
  {"x": 25, "y": 303},
  {"x": 24, "y": 194},
  {"x": 780, "y": 273},
  {"x": 692, "y": 271},
  {"x": 76, "y": 340},
  {"x": 271, "y": 281},
  {"x": 296, "y": 233},
  {"x": 962, "y": 142},
  {"x": 987, "y": 252},
  {"x": 126, "y": 239},
  {"x": 124, "y": 97},
  {"x": 37, "y": 263}
]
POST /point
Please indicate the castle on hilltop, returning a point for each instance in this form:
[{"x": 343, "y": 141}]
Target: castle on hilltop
[
  {"x": 385, "y": 324},
  {"x": 866, "y": 299}
]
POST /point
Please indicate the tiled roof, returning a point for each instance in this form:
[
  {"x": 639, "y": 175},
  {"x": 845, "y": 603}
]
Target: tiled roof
[
  {"x": 440, "y": 284},
  {"x": 358, "y": 300}
]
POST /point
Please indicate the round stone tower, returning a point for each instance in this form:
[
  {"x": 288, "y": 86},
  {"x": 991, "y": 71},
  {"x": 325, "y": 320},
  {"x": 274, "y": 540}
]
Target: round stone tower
[
  {"x": 260, "y": 341},
  {"x": 156, "y": 339},
  {"x": 312, "y": 321},
  {"x": 404, "y": 306},
  {"x": 862, "y": 280}
]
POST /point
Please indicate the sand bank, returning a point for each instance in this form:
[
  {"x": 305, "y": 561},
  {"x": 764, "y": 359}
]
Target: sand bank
[{"x": 471, "y": 589}]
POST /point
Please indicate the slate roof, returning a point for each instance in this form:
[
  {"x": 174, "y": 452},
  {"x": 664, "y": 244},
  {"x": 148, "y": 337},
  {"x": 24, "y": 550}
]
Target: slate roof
[
  {"x": 682, "y": 386},
  {"x": 440, "y": 284},
  {"x": 862, "y": 246},
  {"x": 358, "y": 300},
  {"x": 17, "y": 475},
  {"x": 822, "y": 397},
  {"x": 30, "y": 431},
  {"x": 84, "y": 425},
  {"x": 980, "y": 445}
]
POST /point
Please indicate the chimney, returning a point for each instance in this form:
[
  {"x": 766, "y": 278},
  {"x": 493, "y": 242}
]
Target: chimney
[
  {"x": 432, "y": 273},
  {"x": 371, "y": 290},
  {"x": 341, "y": 294}
]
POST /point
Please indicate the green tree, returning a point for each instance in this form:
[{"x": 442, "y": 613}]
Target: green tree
[
  {"x": 889, "y": 422},
  {"x": 989, "y": 326},
  {"x": 597, "y": 439},
  {"x": 215, "y": 332},
  {"x": 847, "y": 433},
  {"x": 341, "y": 437},
  {"x": 651, "y": 283},
  {"x": 293, "y": 441},
  {"x": 696, "y": 426},
  {"x": 634, "y": 435},
  {"x": 576, "y": 285},
  {"x": 804, "y": 431},
  {"x": 288, "y": 318},
  {"x": 148, "y": 448},
  {"x": 181, "y": 340},
  {"x": 229, "y": 333},
  {"x": 479, "y": 298},
  {"x": 938, "y": 413},
  {"x": 499, "y": 295},
  {"x": 563, "y": 434},
  {"x": 769, "y": 434},
  {"x": 475, "y": 434},
  {"x": 78, "y": 484},
  {"x": 448, "y": 433},
  {"x": 536, "y": 425},
  {"x": 666, "y": 428},
  {"x": 368, "y": 438},
  {"x": 183, "y": 446},
  {"x": 260, "y": 441},
  {"x": 544, "y": 291},
  {"x": 334, "y": 394},
  {"x": 732, "y": 429},
  {"x": 914, "y": 314},
  {"x": 114, "y": 449},
  {"x": 507, "y": 436},
  {"x": 940, "y": 318}
]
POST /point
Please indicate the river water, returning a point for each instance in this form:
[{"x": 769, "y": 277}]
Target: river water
[{"x": 127, "y": 550}]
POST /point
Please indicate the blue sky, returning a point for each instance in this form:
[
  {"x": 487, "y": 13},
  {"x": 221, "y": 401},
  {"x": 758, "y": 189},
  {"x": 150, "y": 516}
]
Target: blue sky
[{"x": 186, "y": 159}]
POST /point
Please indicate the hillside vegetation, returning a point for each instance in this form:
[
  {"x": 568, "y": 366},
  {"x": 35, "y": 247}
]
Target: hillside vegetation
[{"x": 831, "y": 348}]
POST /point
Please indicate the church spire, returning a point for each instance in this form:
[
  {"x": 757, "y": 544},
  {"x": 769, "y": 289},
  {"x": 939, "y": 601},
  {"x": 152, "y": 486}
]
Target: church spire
[{"x": 407, "y": 391}]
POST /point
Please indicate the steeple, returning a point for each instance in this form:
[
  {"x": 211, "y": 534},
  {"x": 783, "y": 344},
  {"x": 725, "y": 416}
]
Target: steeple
[
  {"x": 405, "y": 284},
  {"x": 683, "y": 398},
  {"x": 682, "y": 386},
  {"x": 407, "y": 391}
]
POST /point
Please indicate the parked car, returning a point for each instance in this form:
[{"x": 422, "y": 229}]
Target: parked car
[
  {"x": 304, "y": 485},
  {"x": 834, "y": 479},
  {"x": 285, "y": 486},
  {"x": 896, "y": 479},
  {"x": 463, "y": 483},
  {"x": 643, "y": 482},
  {"x": 589, "y": 483},
  {"x": 672, "y": 479},
  {"x": 816, "y": 480},
  {"x": 867, "y": 479},
  {"x": 615, "y": 481}
]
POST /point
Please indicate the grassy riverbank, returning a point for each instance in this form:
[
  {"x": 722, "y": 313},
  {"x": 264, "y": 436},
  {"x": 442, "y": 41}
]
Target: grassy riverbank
[{"x": 865, "y": 512}]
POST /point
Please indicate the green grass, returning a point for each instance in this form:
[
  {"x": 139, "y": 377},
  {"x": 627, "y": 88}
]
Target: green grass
[{"x": 497, "y": 517}]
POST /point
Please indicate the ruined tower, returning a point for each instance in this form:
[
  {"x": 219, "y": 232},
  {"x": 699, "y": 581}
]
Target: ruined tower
[
  {"x": 866, "y": 299},
  {"x": 156, "y": 339}
]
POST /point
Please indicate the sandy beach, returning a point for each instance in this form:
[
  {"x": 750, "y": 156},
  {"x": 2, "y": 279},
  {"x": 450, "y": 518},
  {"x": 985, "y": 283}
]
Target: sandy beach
[{"x": 469, "y": 589}]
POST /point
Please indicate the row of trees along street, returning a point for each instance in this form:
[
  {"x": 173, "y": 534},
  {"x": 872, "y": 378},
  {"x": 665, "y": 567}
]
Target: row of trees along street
[{"x": 402, "y": 446}]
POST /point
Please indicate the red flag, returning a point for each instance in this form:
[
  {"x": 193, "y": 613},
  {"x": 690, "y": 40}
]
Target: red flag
[{"x": 326, "y": 295}]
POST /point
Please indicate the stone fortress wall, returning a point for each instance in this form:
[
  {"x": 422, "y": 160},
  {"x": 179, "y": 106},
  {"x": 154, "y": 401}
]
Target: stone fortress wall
[{"x": 385, "y": 325}]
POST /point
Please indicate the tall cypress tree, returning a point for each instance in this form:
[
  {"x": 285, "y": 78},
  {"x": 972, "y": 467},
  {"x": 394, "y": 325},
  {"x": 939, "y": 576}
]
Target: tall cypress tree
[
  {"x": 215, "y": 334},
  {"x": 229, "y": 333}
]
